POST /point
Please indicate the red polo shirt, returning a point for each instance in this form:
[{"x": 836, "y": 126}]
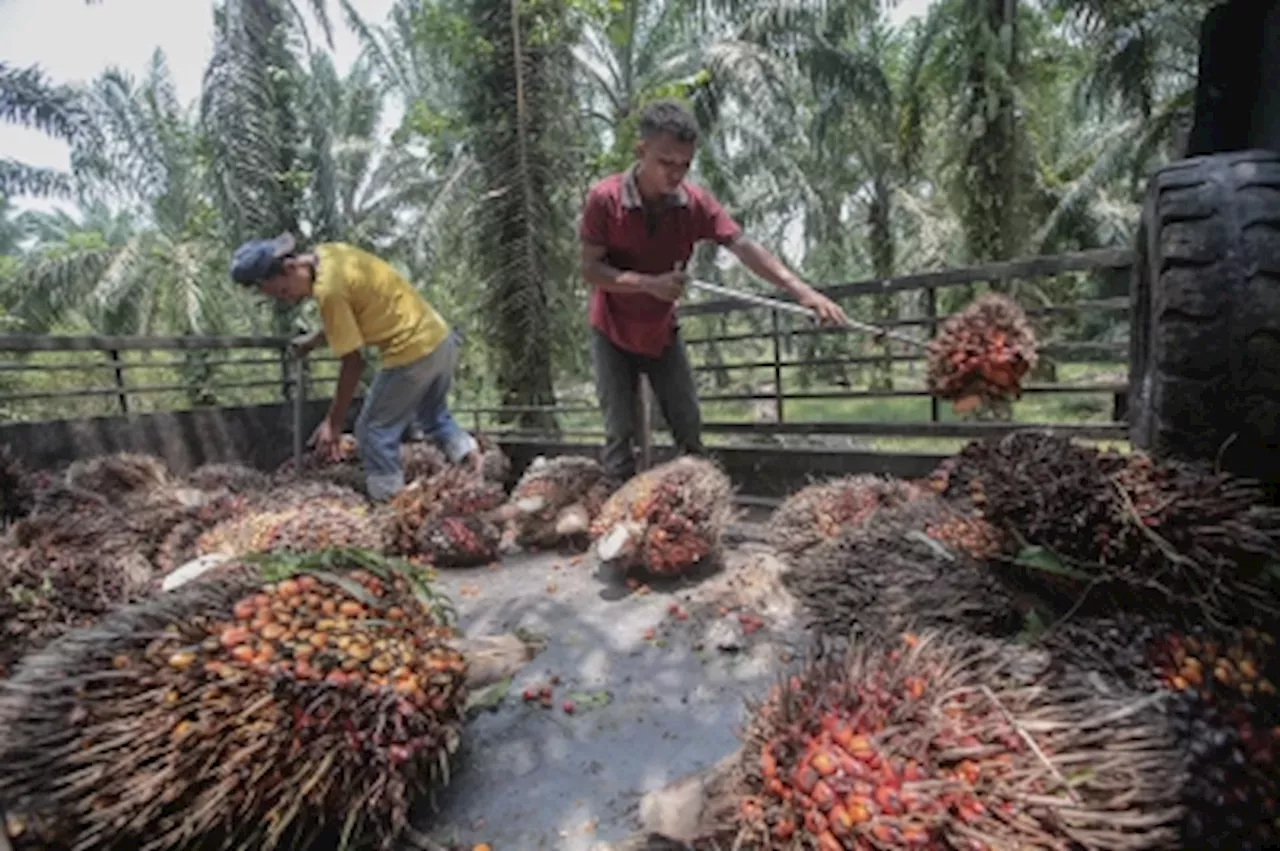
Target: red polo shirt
[{"x": 615, "y": 218}]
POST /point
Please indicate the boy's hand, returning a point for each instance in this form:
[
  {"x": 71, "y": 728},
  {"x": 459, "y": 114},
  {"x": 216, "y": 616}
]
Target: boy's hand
[{"x": 475, "y": 462}]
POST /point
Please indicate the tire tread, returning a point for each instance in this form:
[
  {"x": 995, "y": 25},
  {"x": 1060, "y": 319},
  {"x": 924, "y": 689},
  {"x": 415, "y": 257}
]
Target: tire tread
[{"x": 1205, "y": 369}]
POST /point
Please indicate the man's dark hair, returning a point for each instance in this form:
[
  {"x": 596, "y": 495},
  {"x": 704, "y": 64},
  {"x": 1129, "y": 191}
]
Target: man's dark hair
[{"x": 669, "y": 118}]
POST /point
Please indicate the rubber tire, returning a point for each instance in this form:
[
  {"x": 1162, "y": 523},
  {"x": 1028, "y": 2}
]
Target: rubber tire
[{"x": 1205, "y": 311}]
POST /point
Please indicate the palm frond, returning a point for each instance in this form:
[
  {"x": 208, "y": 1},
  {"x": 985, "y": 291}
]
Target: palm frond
[
  {"x": 29, "y": 99},
  {"x": 17, "y": 179}
]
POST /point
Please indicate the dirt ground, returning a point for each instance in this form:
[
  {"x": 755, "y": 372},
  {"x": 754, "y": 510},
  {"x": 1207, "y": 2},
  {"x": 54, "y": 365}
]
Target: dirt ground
[{"x": 656, "y": 676}]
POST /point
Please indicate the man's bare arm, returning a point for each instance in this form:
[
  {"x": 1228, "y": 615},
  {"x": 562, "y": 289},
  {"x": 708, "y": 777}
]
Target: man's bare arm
[
  {"x": 600, "y": 275},
  {"x": 762, "y": 262},
  {"x": 348, "y": 379}
]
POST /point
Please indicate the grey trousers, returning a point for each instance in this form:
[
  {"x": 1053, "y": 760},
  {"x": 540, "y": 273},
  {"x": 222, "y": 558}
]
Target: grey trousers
[{"x": 617, "y": 373}]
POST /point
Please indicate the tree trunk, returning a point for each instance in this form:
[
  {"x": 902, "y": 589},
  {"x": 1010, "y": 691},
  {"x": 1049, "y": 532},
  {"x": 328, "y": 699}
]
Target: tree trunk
[
  {"x": 879, "y": 221},
  {"x": 509, "y": 103},
  {"x": 990, "y": 190}
]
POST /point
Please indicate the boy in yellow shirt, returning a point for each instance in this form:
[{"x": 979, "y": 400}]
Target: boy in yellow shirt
[{"x": 363, "y": 301}]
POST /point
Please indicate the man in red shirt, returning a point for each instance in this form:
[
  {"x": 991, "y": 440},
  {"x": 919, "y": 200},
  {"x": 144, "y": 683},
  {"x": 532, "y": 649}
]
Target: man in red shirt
[{"x": 638, "y": 231}]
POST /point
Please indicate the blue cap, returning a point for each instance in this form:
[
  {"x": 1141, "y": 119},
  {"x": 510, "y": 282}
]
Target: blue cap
[{"x": 256, "y": 259}]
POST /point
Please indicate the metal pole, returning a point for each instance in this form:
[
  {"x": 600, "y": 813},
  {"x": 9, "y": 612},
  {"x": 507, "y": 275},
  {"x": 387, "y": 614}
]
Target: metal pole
[
  {"x": 777, "y": 364},
  {"x": 761, "y": 301},
  {"x": 299, "y": 402}
]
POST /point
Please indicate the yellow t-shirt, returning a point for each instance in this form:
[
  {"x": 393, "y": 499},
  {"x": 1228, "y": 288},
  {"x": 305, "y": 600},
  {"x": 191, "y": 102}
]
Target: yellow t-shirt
[{"x": 363, "y": 301}]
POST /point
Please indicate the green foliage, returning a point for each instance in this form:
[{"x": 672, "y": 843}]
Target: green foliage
[{"x": 854, "y": 147}]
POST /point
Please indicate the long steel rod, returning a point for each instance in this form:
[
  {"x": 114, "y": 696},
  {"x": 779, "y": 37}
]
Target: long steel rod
[{"x": 761, "y": 301}]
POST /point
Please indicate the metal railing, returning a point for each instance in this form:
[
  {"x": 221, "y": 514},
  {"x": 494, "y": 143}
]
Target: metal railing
[
  {"x": 50, "y": 377},
  {"x": 770, "y": 346}
]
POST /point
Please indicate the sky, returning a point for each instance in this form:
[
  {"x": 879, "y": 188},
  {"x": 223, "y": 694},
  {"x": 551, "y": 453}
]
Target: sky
[{"x": 74, "y": 42}]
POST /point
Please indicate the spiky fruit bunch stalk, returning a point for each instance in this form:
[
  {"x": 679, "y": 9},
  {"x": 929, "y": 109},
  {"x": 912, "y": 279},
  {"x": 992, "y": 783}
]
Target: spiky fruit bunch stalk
[
  {"x": 299, "y": 530},
  {"x": 239, "y": 714},
  {"x": 982, "y": 354},
  {"x": 1140, "y": 531},
  {"x": 17, "y": 487},
  {"x": 454, "y": 492},
  {"x": 930, "y": 742},
  {"x": 235, "y": 478},
  {"x": 118, "y": 475},
  {"x": 893, "y": 572},
  {"x": 824, "y": 511},
  {"x": 556, "y": 501},
  {"x": 667, "y": 519}
]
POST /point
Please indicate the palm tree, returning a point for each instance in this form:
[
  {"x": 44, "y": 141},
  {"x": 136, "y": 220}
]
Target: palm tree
[
  {"x": 144, "y": 254},
  {"x": 29, "y": 99}
]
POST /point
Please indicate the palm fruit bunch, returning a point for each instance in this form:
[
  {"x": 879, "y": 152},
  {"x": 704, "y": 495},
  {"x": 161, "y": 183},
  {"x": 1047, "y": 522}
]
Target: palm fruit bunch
[
  {"x": 118, "y": 475},
  {"x": 299, "y": 529},
  {"x": 892, "y": 573},
  {"x": 295, "y": 493},
  {"x": 973, "y": 536},
  {"x": 1227, "y": 715},
  {"x": 421, "y": 460},
  {"x": 241, "y": 713},
  {"x": 458, "y": 540},
  {"x": 822, "y": 512},
  {"x": 17, "y": 487},
  {"x": 51, "y": 590},
  {"x": 944, "y": 741},
  {"x": 439, "y": 518},
  {"x": 1223, "y": 711},
  {"x": 981, "y": 354},
  {"x": 497, "y": 466},
  {"x": 342, "y": 468},
  {"x": 1138, "y": 532},
  {"x": 556, "y": 500},
  {"x": 667, "y": 519},
  {"x": 181, "y": 531},
  {"x": 235, "y": 478}
]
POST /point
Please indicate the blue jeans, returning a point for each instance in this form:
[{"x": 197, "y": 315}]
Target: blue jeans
[{"x": 399, "y": 396}]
